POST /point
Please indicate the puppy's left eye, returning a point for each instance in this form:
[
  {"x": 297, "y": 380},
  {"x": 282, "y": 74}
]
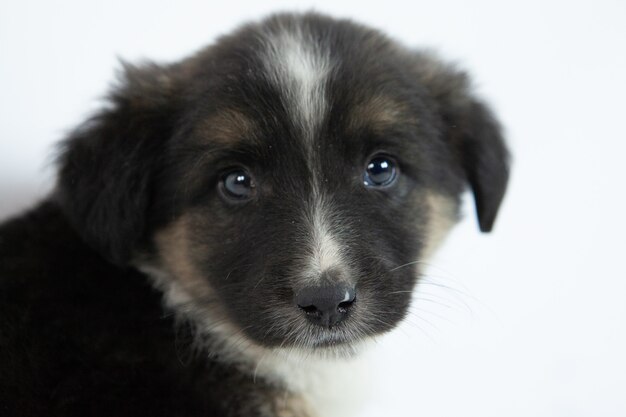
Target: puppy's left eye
[{"x": 381, "y": 171}]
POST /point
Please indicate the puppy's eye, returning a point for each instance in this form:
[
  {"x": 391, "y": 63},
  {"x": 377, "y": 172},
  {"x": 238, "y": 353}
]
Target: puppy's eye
[
  {"x": 237, "y": 185},
  {"x": 381, "y": 171}
]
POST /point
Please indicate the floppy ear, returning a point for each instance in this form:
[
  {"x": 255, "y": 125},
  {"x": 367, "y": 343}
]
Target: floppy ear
[
  {"x": 107, "y": 164},
  {"x": 473, "y": 132}
]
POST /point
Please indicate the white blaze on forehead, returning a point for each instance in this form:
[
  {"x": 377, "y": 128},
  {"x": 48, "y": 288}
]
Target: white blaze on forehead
[
  {"x": 299, "y": 66},
  {"x": 325, "y": 250}
]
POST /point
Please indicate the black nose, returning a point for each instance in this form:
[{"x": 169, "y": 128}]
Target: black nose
[{"x": 326, "y": 305}]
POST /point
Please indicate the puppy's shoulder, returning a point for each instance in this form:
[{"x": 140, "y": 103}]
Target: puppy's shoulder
[
  {"x": 75, "y": 331},
  {"x": 79, "y": 336}
]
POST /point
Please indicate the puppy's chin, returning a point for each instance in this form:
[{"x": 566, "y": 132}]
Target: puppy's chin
[
  {"x": 302, "y": 345},
  {"x": 325, "y": 346},
  {"x": 338, "y": 348},
  {"x": 331, "y": 340},
  {"x": 335, "y": 342}
]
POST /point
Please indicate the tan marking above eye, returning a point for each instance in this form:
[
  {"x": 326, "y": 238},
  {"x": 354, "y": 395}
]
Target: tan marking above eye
[
  {"x": 379, "y": 113},
  {"x": 226, "y": 127}
]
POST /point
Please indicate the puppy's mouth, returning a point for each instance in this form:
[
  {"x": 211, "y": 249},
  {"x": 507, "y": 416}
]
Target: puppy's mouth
[
  {"x": 331, "y": 339},
  {"x": 330, "y": 343},
  {"x": 314, "y": 335},
  {"x": 328, "y": 319}
]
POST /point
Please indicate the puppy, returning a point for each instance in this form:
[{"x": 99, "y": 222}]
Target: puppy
[{"x": 229, "y": 222}]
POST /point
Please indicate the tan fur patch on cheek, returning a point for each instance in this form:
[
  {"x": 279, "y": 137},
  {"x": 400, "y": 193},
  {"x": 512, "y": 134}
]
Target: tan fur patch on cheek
[
  {"x": 292, "y": 406},
  {"x": 442, "y": 216},
  {"x": 178, "y": 254}
]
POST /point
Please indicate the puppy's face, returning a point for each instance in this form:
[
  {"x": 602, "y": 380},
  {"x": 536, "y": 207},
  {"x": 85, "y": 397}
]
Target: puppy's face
[{"x": 287, "y": 181}]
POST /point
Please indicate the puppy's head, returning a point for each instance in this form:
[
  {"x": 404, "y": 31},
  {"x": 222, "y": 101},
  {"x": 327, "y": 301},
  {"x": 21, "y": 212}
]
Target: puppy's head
[{"x": 284, "y": 184}]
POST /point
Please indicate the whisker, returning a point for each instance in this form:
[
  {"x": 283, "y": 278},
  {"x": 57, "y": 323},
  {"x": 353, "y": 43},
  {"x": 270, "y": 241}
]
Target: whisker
[{"x": 405, "y": 265}]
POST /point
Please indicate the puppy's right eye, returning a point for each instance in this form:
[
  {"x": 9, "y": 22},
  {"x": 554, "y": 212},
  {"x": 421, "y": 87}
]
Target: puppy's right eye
[{"x": 237, "y": 185}]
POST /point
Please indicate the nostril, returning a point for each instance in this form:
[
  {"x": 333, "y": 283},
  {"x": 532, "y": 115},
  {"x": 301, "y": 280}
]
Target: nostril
[
  {"x": 344, "y": 306},
  {"x": 309, "y": 309},
  {"x": 347, "y": 301}
]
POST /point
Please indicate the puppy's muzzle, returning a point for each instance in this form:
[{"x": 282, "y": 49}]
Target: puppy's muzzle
[{"x": 326, "y": 305}]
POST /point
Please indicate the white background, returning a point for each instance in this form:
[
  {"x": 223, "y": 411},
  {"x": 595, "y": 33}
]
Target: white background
[{"x": 533, "y": 319}]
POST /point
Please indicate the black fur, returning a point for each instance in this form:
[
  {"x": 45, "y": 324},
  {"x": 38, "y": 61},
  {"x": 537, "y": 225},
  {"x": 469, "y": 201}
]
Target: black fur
[
  {"x": 83, "y": 333},
  {"x": 108, "y": 165}
]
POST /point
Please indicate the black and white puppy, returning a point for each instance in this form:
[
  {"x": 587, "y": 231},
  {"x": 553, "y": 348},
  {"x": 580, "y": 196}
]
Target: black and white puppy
[{"x": 279, "y": 190}]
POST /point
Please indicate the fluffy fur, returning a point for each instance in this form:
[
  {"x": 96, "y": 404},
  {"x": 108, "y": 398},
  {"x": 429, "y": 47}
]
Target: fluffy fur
[{"x": 142, "y": 287}]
